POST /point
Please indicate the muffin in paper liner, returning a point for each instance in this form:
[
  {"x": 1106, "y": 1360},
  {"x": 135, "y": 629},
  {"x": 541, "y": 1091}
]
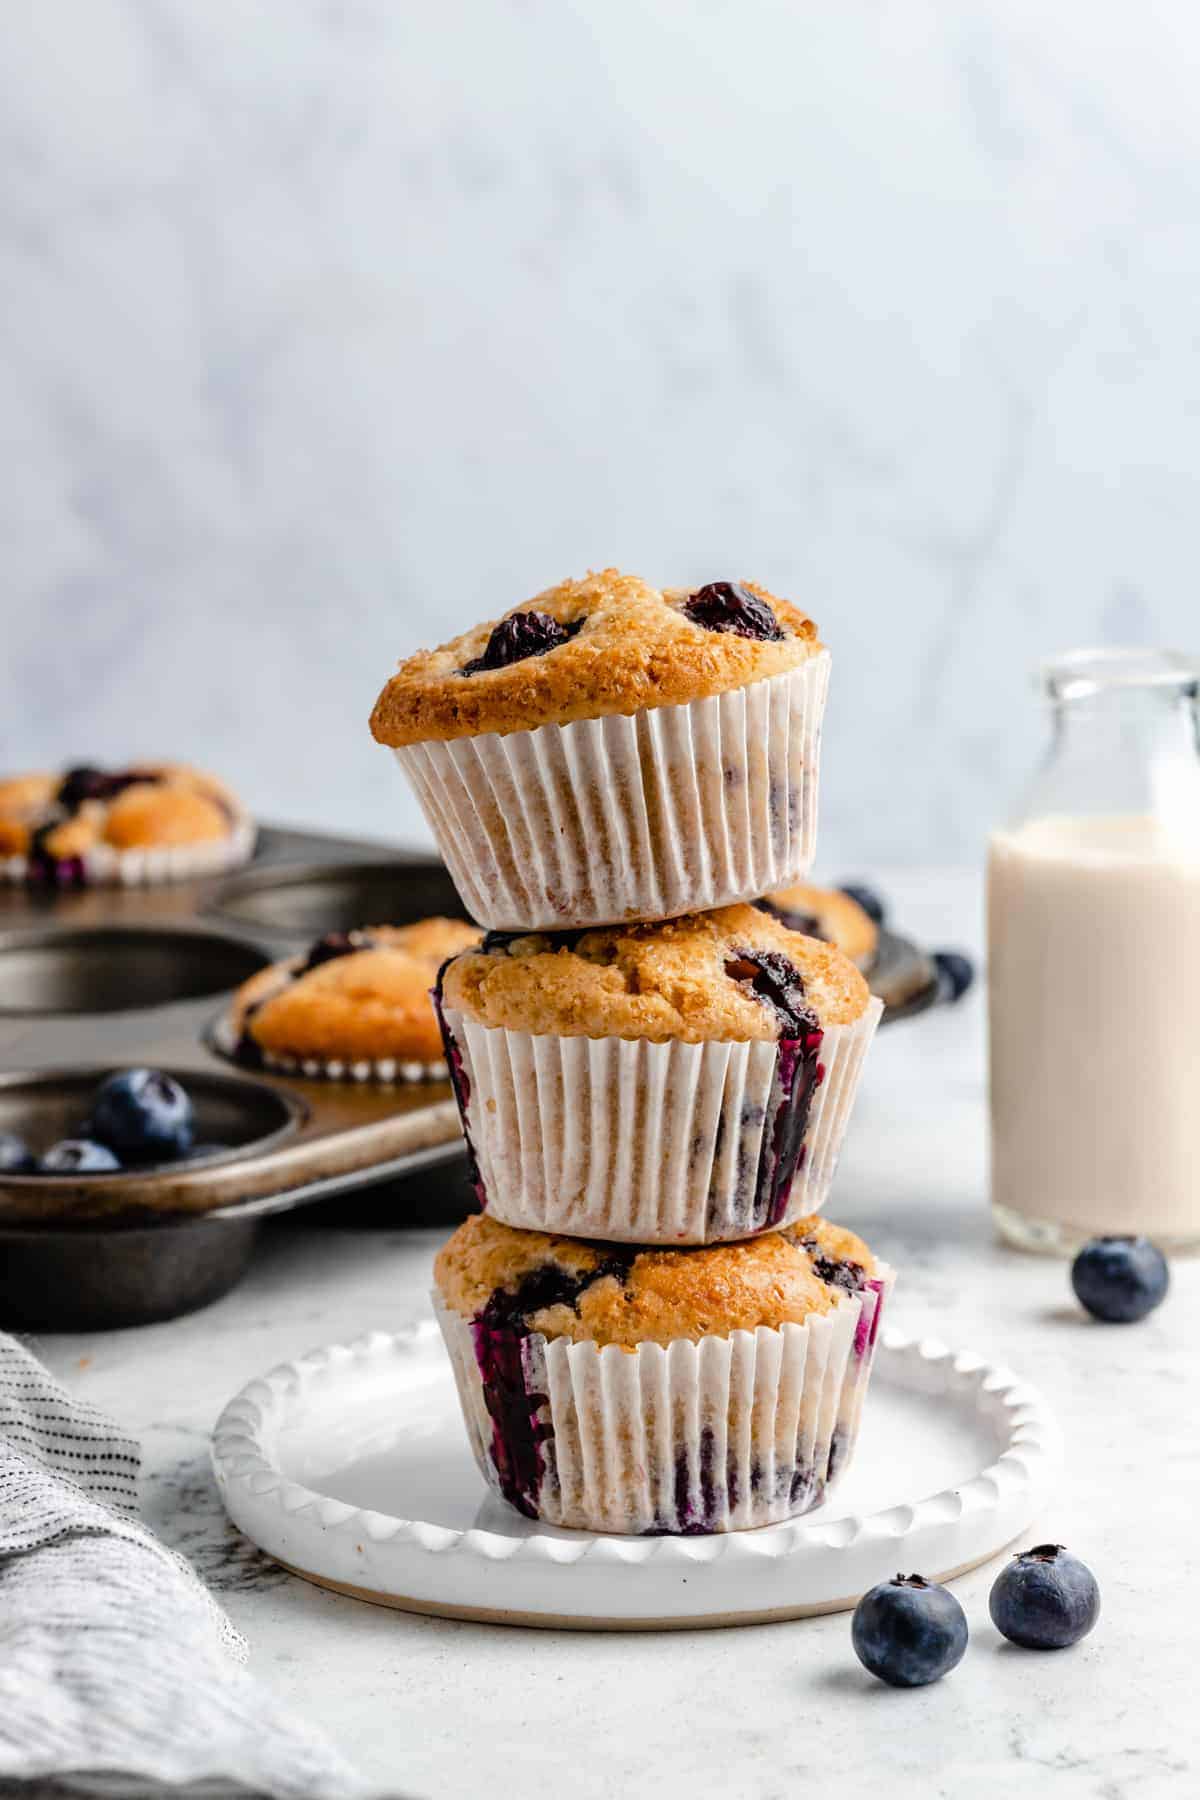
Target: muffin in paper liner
[
  {"x": 669, "y": 810},
  {"x": 720, "y": 1434},
  {"x": 103, "y": 865},
  {"x": 380, "y": 1071},
  {"x": 355, "y": 1006},
  {"x": 654, "y": 1143}
]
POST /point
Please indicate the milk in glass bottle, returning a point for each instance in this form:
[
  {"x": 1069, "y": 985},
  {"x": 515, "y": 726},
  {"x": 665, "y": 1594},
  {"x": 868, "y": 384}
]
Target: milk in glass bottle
[{"x": 1094, "y": 964}]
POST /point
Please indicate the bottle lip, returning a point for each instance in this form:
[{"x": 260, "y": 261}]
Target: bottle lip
[{"x": 1080, "y": 674}]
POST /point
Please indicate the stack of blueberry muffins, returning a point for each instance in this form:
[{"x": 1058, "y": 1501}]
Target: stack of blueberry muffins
[{"x": 652, "y": 1328}]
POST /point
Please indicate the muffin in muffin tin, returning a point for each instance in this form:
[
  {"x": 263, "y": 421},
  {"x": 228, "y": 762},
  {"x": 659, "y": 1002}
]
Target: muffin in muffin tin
[
  {"x": 611, "y": 751},
  {"x": 150, "y": 822},
  {"x": 355, "y": 1007},
  {"x": 826, "y": 913},
  {"x": 685, "y": 1082},
  {"x": 652, "y": 1391}
]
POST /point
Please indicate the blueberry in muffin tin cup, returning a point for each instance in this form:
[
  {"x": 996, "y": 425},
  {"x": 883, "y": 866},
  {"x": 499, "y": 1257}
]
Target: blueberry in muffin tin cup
[
  {"x": 721, "y": 1434},
  {"x": 652, "y": 1143},
  {"x": 672, "y": 809},
  {"x": 103, "y": 865}
]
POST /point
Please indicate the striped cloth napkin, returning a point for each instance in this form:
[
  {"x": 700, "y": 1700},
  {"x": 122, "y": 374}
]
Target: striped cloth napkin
[{"x": 119, "y": 1673}]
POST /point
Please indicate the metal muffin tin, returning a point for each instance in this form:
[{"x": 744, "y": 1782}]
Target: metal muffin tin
[
  {"x": 105, "y": 978},
  {"x": 108, "y": 977}
]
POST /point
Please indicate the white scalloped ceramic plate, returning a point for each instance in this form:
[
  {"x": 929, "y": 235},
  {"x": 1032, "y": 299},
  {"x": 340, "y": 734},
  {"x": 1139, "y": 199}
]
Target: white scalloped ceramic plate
[{"x": 351, "y": 1467}]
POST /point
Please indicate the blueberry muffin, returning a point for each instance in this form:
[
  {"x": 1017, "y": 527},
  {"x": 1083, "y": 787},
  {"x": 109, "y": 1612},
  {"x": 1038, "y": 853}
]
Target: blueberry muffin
[
  {"x": 826, "y": 913},
  {"x": 685, "y": 1082},
  {"x": 648, "y": 1391},
  {"x": 155, "y": 821},
  {"x": 610, "y": 751},
  {"x": 356, "y": 1006}
]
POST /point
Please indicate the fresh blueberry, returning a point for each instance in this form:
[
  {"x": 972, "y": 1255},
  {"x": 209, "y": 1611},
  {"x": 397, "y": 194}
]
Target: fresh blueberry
[
  {"x": 909, "y": 1631},
  {"x": 868, "y": 899},
  {"x": 521, "y": 635},
  {"x": 16, "y": 1158},
  {"x": 728, "y": 606},
  {"x": 1120, "y": 1279},
  {"x": 955, "y": 973},
  {"x": 1044, "y": 1599},
  {"x": 78, "y": 1156},
  {"x": 144, "y": 1113}
]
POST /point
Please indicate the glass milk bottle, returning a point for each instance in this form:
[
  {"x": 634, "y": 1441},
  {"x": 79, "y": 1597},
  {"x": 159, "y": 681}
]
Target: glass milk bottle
[{"x": 1094, "y": 964}]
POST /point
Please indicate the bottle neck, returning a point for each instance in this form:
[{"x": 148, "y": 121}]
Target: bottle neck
[{"x": 1127, "y": 751}]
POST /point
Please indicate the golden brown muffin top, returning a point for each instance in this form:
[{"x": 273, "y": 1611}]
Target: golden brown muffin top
[
  {"x": 147, "y": 806},
  {"x": 618, "y": 1294},
  {"x": 585, "y": 649},
  {"x": 826, "y": 913},
  {"x": 361, "y": 996},
  {"x": 735, "y": 974}
]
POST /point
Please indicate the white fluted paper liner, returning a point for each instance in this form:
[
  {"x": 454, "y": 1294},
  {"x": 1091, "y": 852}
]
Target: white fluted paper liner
[
  {"x": 644, "y": 1143},
  {"x": 105, "y": 866},
  {"x": 670, "y": 810},
  {"x": 381, "y": 1071},
  {"x": 723, "y": 1434}
]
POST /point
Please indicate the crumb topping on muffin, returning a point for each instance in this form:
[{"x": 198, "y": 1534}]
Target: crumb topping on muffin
[
  {"x": 360, "y": 995},
  {"x": 825, "y": 913},
  {"x": 735, "y": 974},
  {"x": 149, "y": 806},
  {"x": 606, "y": 644},
  {"x": 618, "y": 1294}
]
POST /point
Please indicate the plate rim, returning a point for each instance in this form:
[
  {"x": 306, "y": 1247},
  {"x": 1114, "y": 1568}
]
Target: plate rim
[{"x": 241, "y": 1462}]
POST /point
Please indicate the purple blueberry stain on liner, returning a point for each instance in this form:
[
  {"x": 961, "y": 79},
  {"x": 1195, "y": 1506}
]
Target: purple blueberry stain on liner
[
  {"x": 520, "y": 636},
  {"x": 460, "y": 1082},
  {"x": 728, "y": 606},
  {"x": 867, "y": 1330},
  {"x": 778, "y": 984},
  {"x": 521, "y": 1437}
]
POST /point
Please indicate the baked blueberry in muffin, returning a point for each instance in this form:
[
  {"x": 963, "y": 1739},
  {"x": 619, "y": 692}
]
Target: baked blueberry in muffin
[
  {"x": 148, "y": 821},
  {"x": 627, "y": 1389},
  {"x": 828, "y": 913},
  {"x": 682, "y": 1082},
  {"x": 356, "y": 1004},
  {"x": 612, "y": 750}
]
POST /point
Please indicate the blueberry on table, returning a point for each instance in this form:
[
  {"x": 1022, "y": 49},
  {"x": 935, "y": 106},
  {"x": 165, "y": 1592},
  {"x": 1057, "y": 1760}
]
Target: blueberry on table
[
  {"x": 16, "y": 1158},
  {"x": 78, "y": 1156},
  {"x": 867, "y": 898},
  {"x": 142, "y": 1112},
  {"x": 909, "y": 1631},
  {"x": 1044, "y": 1599},
  {"x": 1120, "y": 1279},
  {"x": 955, "y": 973}
]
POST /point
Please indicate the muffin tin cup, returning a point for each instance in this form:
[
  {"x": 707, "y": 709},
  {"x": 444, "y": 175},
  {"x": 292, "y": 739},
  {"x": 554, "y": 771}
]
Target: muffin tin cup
[
  {"x": 670, "y": 810},
  {"x": 722, "y": 1434},
  {"x": 642, "y": 1143},
  {"x": 380, "y": 1071},
  {"x": 105, "y": 866}
]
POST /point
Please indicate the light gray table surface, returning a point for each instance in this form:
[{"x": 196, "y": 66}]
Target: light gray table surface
[{"x": 439, "y": 1709}]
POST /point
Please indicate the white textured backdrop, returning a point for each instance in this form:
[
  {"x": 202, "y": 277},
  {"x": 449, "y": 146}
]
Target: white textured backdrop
[{"x": 327, "y": 328}]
